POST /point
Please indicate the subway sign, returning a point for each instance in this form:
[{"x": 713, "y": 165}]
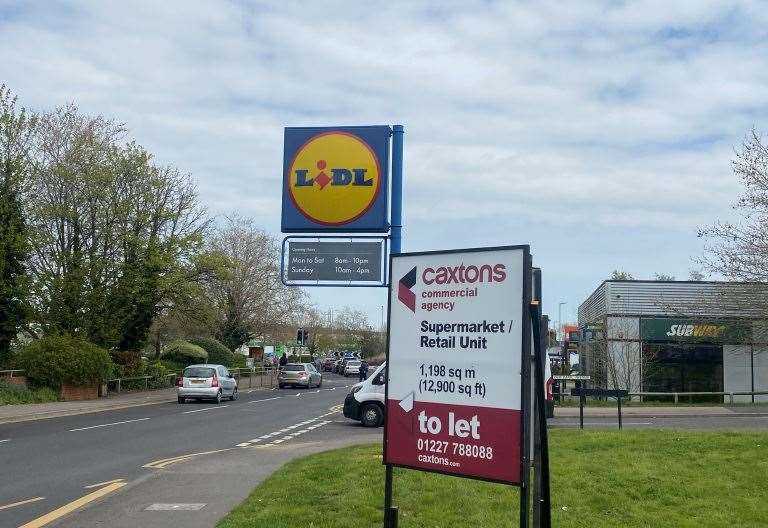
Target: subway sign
[
  {"x": 336, "y": 179},
  {"x": 687, "y": 330}
]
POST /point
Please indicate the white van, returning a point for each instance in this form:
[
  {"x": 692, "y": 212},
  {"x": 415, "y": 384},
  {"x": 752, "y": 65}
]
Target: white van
[{"x": 365, "y": 402}]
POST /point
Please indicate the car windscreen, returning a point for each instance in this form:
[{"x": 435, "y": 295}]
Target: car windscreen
[
  {"x": 199, "y": 372},
  {"x": 294, "y": 368}
]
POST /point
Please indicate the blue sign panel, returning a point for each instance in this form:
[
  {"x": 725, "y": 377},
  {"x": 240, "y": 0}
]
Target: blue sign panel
[{"x": 336, "y": 179}]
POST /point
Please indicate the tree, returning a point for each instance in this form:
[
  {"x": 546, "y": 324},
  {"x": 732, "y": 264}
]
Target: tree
[
  {"x": 663, "y": 277},
  {"x": 738, "y": 250},
  {"x": 16, "y": 131},
  {"x": 621, "y": 275},
  {"x": 251, "y": 299},
  {"x": 696, "y": 275},
  {"x": 116, "y": 238}
]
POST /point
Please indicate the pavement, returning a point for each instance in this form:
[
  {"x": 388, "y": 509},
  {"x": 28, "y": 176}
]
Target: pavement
[
  {"x": 165, "y": 463},
  {"x": 668, "y": 411},
  {"x": 40, "y": 411},
  {"x": 714, "y": 418}
]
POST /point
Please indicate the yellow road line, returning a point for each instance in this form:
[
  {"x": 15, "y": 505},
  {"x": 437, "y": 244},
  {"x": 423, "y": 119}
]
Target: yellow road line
[
  {"x": 72, "y": 506},
  {"x": 103, "y": 483},
  {"x": 21, "y": 503},
  {"x": 159, "y": 464}
]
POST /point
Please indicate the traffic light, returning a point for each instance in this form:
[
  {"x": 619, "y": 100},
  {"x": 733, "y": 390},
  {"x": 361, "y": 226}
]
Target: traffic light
[{"x": 302, "y": 336}]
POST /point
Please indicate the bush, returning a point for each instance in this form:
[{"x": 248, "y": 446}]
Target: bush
[
  {"x": 184, "y": 353},
  {"x": 56, "y": 360},
  {"x": 239, "y": 361},
  {"x": 13, "y": 394},
  {"x": 217, "y": 351},
  {"x": 127, "y": 364}
]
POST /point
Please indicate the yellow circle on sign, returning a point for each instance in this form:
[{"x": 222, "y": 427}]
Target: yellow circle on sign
[{"x": 334, "y": 178}]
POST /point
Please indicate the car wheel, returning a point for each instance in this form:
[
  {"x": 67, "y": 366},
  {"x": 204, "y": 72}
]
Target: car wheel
[
  {"x": 281, "y": 386},
  {"x": 218, "y": 397},
  {"x": 320, "y": 383},
  {"x": 234, "y": 395},
  {"x": 182, "y": 400},
  {"x": 371, "y": 415}
]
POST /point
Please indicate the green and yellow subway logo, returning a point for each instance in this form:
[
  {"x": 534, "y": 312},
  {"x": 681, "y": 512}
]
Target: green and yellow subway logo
[{"x": 696, "y": 330}]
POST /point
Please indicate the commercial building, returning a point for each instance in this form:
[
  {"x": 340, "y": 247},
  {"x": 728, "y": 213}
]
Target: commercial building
[{"x": 674, "y": 336}]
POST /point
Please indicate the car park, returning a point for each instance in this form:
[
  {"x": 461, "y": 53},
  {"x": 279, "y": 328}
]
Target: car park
[
  {"x": 365, "y": 402},
  {"x": 299, "y": 374},
  {"x": 206, "y": 382}
]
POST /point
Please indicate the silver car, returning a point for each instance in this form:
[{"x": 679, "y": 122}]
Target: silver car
[
  {"x": 352, "y": 367},
  {"x": 301, "y": 374},
  {"x": 206, "y": 382}
]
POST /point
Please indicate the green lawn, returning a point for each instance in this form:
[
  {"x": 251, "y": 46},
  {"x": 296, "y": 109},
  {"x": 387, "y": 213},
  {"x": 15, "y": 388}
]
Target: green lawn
[
  {"x": 599, "y": 479},
  {"x": 13, "y": 394}
]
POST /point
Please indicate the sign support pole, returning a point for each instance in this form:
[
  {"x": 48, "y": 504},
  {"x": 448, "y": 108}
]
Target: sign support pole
[
  {"x": 398, "y": 133},
  {"x": 542, "y": 511}
]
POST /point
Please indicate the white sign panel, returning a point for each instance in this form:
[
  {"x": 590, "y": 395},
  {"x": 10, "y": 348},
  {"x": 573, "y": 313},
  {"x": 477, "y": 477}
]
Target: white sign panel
[{"x": 456, "y": 338}]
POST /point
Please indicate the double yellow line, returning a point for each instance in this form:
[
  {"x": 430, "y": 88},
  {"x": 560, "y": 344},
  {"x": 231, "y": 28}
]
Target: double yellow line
[{"x": 109, "y": 487}]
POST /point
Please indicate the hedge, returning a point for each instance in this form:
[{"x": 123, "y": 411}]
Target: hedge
[
  {"x": 218, "y": 352},
  {"x": 185, "y": 353},
  {"x": 55, "y": 360}
]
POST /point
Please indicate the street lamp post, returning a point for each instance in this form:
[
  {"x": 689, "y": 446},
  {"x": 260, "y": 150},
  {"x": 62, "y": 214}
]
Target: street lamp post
[{"x": 559, "y": 319}]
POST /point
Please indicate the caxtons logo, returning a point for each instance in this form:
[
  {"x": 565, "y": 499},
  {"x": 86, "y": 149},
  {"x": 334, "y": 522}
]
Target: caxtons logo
[
  {"x": 404, "y": 293},
  {"x": 463, "y": 274}
]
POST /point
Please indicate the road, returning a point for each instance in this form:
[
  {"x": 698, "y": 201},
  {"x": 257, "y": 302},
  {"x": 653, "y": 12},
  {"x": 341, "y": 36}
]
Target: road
[{"x": 58, "y": 464}]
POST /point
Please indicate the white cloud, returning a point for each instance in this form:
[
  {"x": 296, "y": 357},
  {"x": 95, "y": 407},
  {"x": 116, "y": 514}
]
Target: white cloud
[{"x": 567, "y": 118}]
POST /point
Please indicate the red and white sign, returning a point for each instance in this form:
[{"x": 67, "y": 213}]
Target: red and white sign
[{"x": 454, "y": 363}]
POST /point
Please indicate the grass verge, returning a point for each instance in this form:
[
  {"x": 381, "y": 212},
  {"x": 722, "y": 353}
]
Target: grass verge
[
  {"x": 628, "y": 479},
  {"x": 14, "y": 395}
]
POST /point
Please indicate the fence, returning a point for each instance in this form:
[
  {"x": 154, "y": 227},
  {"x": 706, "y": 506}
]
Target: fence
[
  {"x": 676, "y": 395},
  {"x": 248, "y": 378}
]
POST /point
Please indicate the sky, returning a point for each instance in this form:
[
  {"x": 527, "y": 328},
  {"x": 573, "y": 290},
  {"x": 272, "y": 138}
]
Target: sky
[{"x": 600, "y": 133}]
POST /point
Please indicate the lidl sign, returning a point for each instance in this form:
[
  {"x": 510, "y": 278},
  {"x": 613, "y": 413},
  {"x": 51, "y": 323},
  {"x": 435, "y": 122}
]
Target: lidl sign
[{"x": 336, "y": 179}]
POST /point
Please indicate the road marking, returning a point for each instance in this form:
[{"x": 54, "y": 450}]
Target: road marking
[
  {"x": 103, "y": 483},
  {"x": 268, "y": 399},
  {"x": 175, "y": 507},
  {"x": 6, "y": 440},
  {"x": 107, "y": 425},
  {"x": 72, "y": 506},
  {"x": 600, "y": 423},
  {"x": 205, "y": 409},
  {"x": 20, "y": 503},
  {"x": 298, "y": 395},
  {"x": 160, "y": 464}
]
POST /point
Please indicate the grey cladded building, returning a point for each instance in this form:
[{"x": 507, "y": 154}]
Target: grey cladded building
[{"x": 677, "y": 336}]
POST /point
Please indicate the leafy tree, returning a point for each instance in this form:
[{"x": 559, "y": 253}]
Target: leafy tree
[
  {"x": 251, "y": 298},
  {"x": 663, "y": 277},
  {"x": 16, "y": 129},
  {"x": 621, "y": 275},
  {"x": 117, "y": 238},
  {"x": 696, "y": 275}
]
